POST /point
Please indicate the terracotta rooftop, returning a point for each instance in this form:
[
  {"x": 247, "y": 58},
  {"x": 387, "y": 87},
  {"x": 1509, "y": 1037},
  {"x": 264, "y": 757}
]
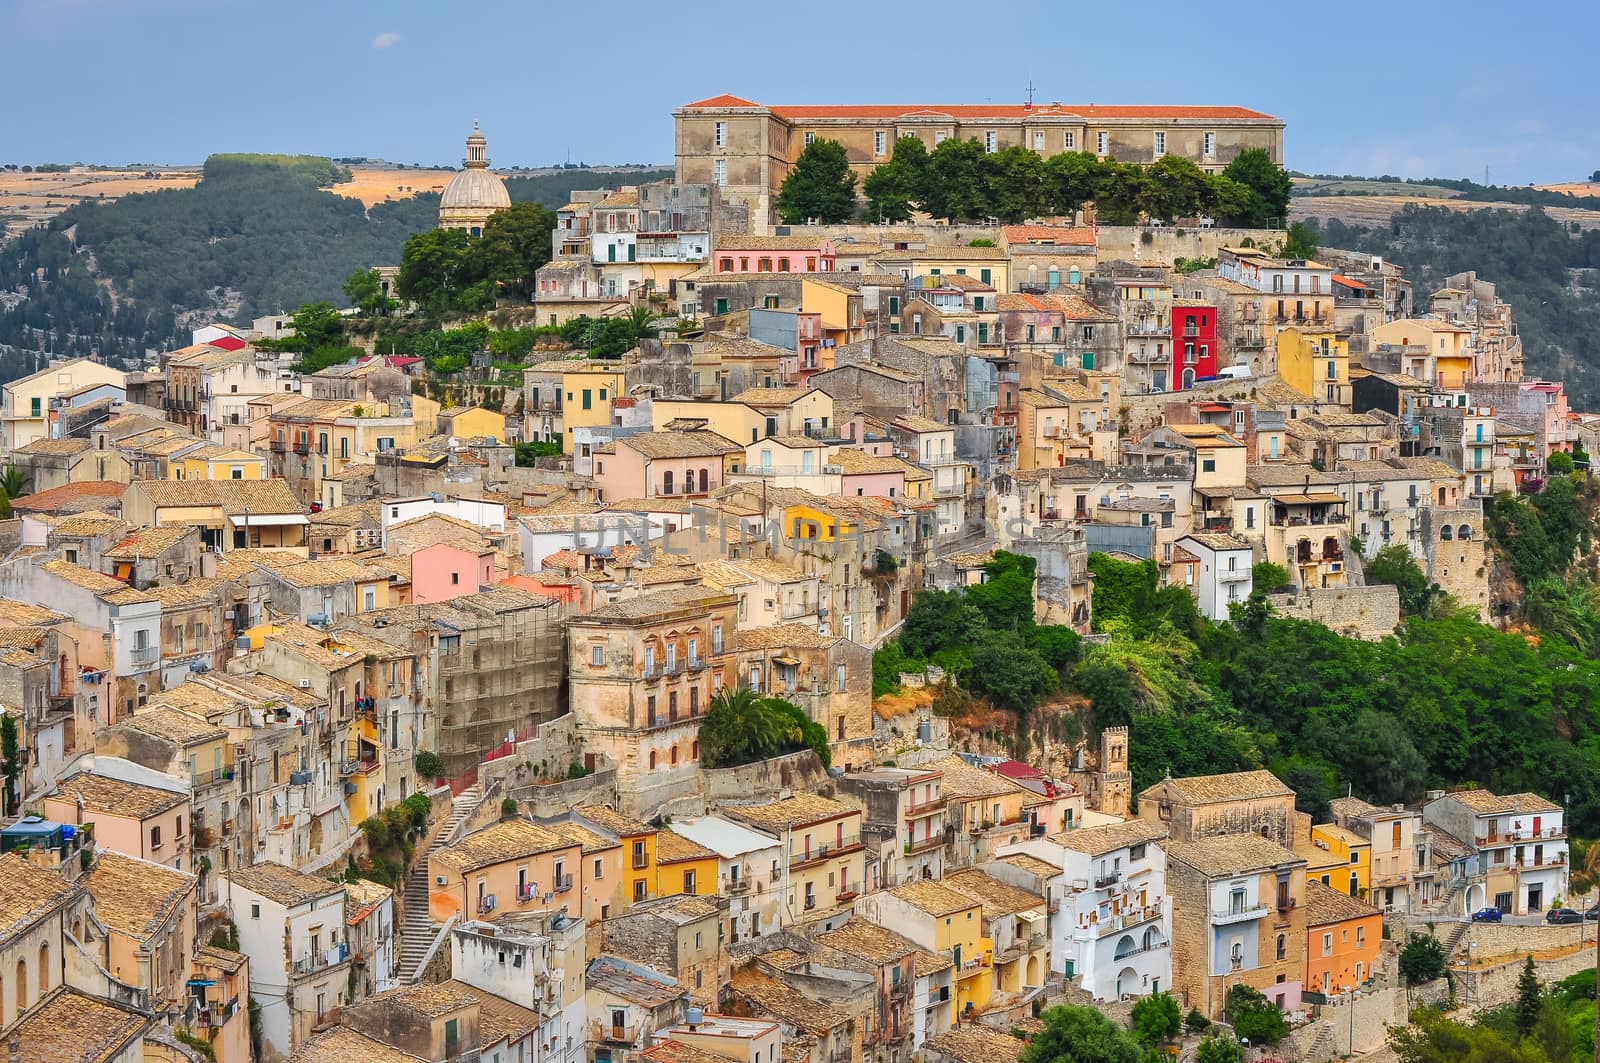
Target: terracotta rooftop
[
  {"x": 768, "y": 996},
  {"x": 799, "y": 810},
  {"x": 1325, "y": 905},
  {"x": 1231, "y": 854},
  {"x": 974, "y": 1043},
  {"x": 673, "y": 848},
  {"x": 28, "y": 894},
  {"x": 1232, "y": 786},
  {"x": 934, "y": 898},
  {"x": 135, "y": 897},
  {"x": 108, "y": 796},
  {"x": 69, "y": 1027},
  {"x": 511, "y": 839},
  {"x": 176, "y": 725},
  {"x": 285, "y": 885},
  {"x": 72, "y": 498},
  {"x": 867, "y": 941},
  {"x": 345, "y": 1044}
]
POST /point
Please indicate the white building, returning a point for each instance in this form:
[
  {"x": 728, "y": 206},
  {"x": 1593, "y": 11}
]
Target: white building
[
  {"x": 536, "y": 961},
  {"x": 1520, "y": 862},
  {"x": 292, "y": 927},
  {"x": 371, "y": 935},
  {"x": 1223, "y": 573},
  {"x": 480, "y": 512},
  {"x": 1113, "y": 935},
  {"x": 745, "y": 859}
]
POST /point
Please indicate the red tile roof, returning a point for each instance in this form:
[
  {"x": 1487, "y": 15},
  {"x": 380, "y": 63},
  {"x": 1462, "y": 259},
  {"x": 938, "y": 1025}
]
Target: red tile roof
[
  {"x": 721, "y": 101},
  {"x": 1015, "y": 769},
  {"x": 800, "y": 112},
  {"x": 1350, "y": 282},
  {"x": 228, "y": 343},
  {"x": 1048, "y": 234},
  {"x": 71, "y": 498}
]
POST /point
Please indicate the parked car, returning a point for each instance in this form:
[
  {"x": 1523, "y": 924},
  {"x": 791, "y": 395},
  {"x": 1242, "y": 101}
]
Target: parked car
[
  {"x": 1562, "y": 915},
  {"x": 1592, "y": 913},
  {"x": 1487, "y": 915}
]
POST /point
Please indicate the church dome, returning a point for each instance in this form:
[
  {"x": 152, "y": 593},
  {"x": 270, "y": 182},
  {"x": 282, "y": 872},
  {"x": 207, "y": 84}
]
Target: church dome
[{"x": 474, "y": 193}]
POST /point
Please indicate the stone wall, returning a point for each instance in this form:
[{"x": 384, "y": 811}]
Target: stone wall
[
  {"x": 764, "y": 780},
  {"x": 1360, "y": 612},
  {"x": 1161, "y": 246},
  {"x": 556, "y": 798}
]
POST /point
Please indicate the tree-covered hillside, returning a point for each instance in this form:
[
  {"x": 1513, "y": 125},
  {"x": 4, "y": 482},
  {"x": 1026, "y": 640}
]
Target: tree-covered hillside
[
  {"x": 259, "y": 234},
  {"x": 1549, "y": 274}
]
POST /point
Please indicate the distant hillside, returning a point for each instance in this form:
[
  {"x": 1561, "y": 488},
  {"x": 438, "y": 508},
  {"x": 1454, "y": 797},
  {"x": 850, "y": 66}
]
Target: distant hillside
[
  {"x": 256, "y": 235},
  {"x": 1549, "y": 273}
]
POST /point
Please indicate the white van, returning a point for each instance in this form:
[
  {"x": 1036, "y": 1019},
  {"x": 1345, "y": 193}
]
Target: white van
[{"x": 1234, "y": 372}]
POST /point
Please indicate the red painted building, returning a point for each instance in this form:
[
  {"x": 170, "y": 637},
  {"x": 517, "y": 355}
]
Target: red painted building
[{"x": 1194, "y": 342}]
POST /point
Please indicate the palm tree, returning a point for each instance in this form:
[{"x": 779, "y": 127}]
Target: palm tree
[
  {"x": 738, "y": 728},
  {"x": 13, "y": 482},
  {"x": 642, "y": 323}
]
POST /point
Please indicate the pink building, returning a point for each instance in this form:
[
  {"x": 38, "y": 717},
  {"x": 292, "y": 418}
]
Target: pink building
[
  {"x": 130, "y": 818},
  {"x": 663, "y": 464},
  {"x": 444, "y": 571},
  {"x": 773, "y": 254}
]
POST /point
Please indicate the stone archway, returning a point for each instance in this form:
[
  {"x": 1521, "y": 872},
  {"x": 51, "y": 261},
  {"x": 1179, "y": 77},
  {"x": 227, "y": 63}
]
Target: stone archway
[{"x": 1034, "y": 975}]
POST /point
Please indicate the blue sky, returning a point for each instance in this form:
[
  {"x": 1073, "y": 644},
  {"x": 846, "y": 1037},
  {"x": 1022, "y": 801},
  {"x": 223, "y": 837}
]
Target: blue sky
[{"x": 1415, "y": 89}]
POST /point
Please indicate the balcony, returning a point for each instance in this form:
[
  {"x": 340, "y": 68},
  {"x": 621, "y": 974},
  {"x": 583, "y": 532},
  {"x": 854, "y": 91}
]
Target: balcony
[
  {"x": 1238, "y": 914},
  {"x": 359, "y": 766},
  {"x": 922, "y": 808},
  {"x": 197, "y": 779},
  {"x": 144, "y": 654},
  {"x": 737, "y": 887},
  {"x": 1234, "y": 576},
  {"x": 605, "y": 1031},
  {"x": 316, "y": 961},
  {"x": 563, "y": 883},
  {"x": 302, "y": 447},
  {"x": 525, "y": 893},
  {"x": 1543, "y": 863},
  {"x": 807, "y": 857},
  {"x": 1150, "y": 357},
  {"x": 1149, "y": 330},
  {"x": 923, "y": 845},
  {"x": 1544, "y": 834},
  {"x": 1110, "y": 878},
  {"x": 278, "y": 446}
]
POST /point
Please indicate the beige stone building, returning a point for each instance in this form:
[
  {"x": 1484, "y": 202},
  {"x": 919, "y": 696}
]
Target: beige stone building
[
  {"x": 473, "y": 194},
  {"x": 746, "y": 148},
  {"x": 641, "y": 672},
  {"x": 1205, "y": 806},
  {"x": 1238, "y": 918}
]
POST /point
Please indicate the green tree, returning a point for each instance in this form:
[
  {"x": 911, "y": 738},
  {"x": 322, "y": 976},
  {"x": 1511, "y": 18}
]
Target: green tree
[
  {"x": 1123, "y": 193},
  {"x": 1074, "y": 1034},
  {"x": 1226, "y": 200},
  {"x": 13, "y": 482},
  {"x": 11, "y": 754},
  {"x": 1530, "y": 999},
  {"x": 1156, "y": 1018},
  {"x": 820, "y": 186},
  {"x": 1254, "y": 1017},
  {"x": 514, "y": 244},
  {"x": 433, "y": 270},
  {"x": 1016, "y": 183},
  {"x": 1421, "y": 959},
  {"x": 1072, "y": 179},
  {"x": 1269, "y": 186},
  {"x": 428, "y": 764},
  {"x": 1175, "y": 188},
  {"x": 894, "y": 189},
  {"x": 956, "y": 188},
  {"x": 1010, "y": 672},
  {"x": 316, "y": 326},
  {"x": 1218, "y": 1047},
  {"x": 364, "y": 291},
  {"x": 1560, "y": 463},
  {"x": 1301, "y": 241},
  {"x": 1395, "y": 566},
  {"x": 1266, "y": 576}
]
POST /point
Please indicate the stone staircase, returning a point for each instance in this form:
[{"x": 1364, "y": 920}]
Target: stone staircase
[
  {"x": 1448, "y": 904},
  {"x": 417, "y": 929},
  {"x": 1452, "y": 940}
]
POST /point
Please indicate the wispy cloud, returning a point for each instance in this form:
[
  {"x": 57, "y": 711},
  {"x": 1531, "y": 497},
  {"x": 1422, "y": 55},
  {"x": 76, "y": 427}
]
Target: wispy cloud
[{"x": 386, "y": 40}]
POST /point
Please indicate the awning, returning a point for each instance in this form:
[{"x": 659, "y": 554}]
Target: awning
[
  {"x": 1032, "y": 915},
  {"x": 786, "y": 659},
  {"x": 1308, "y": 500},
  {"x": 267, "y": 520}
]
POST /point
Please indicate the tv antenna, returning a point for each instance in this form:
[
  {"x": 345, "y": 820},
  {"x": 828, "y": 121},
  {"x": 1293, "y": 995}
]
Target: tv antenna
[{"x": 1030, "y": 92}]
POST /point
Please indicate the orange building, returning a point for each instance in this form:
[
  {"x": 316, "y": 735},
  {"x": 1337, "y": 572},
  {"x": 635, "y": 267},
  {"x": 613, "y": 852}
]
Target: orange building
[{"x": 1343, "y": 936}]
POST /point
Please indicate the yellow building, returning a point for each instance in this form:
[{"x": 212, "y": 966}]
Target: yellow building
[
  {"x": 1449, "y": 359},
  {"x": 472, "y": 422},
  {"x": 25, "y": 403},
  {"x": 987, "y": 265},
  {"x": 753, "y": 414},
  {"x": 841, "y": 314},
  {"x": 362, "y": 767},
  {"x": 213, "y": 462},
  {"x": 1338, "y": 858},
  {"x": 684, "y": 866},
  {"x": 1315, "y": 362},
  {"x": 947, "y": 923},
  {"x": 638, "y": 843},
  {"x": 587, "y": 391}
]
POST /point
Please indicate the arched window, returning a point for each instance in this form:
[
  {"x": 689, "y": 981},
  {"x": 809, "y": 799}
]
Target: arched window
[
  {"x": 44, "y": 968},
  {"x": 694, "y": 749},
  {"x": 1283, "y": 948},
  {"x": 1464, "y": 532},
  {"x": 1188, "y": 378},
  {"x": 674, "y": 754},
  {"x": 1152, "y": 937},
  {"x": 652, "y": 759},
  {"x": 1445, "y": 533},
  {"x": 22, "y": 986}
]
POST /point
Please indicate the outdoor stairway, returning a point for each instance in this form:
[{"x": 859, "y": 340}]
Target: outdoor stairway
[
  {"x": 417, "y": 930},
  {"x": 1452, "y": 941}
]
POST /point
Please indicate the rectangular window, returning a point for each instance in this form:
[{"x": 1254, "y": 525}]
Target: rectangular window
[
  {"x": 1069, "y": 140},
  {"x": 719, "y": 172},
  {"x": 1102, "y": 141},
  {"x": 990, "y": 140},
  {"x": 878, "y": 141},
  {"x": 1038, "y": 142},
  {"x": 1161, "y": 145},
  {"x": 809, "y": 138},
  {"x": 1208, "y": 145},
  {"x": 35, "y": 407},
  {"x": 720, "y": 137},
  {"x": 597, "y": 655}
]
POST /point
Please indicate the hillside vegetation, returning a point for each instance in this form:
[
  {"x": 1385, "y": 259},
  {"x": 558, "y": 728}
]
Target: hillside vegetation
[
  {"x": 1549, "y": 275},
  {"x": 258, "y": 234}
]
